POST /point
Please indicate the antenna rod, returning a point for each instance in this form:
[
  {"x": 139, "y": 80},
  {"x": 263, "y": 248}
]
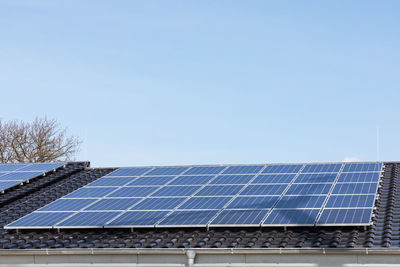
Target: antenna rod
[{"x": 377, "y": 143}]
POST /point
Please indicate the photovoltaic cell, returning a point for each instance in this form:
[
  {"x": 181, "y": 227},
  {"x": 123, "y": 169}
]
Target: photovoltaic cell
[
  {"x": 264, "y": 202},
  {"x": 258, "y": 190},
  {"x": 362, "y": 167},
  {"x": 91, "y": 192},
  {"x": 232, "y": 179},
  {"x": 308, "y": 189},
  {"x": 273, "y": 178},
  {"x": 355, "y": 188},
  {"x": 159, "y": 203},
  {"x": 283, "y": 168},
  {"x": 205, "y": 203},
  {"x": 114, "y": 181},
  {"x": 350, "y": 201},
  {"x": 239, "y": 217},
  {"x": 354, "y": 177},
  {"x": 129, "y": 172},
  {"x": 300, "y": 202},
  {"x": 133, "y": 191},
  {"x": 345, "y": 216},
  {"x": 191, "y": 180},
  {"x": 313, "y": 168},
  {"x": 114, "y": 204},
  {"x": 168, "y": 171},
  {"x": 83, "y": 219},
  {"x": 176, "y": 191},
  {"x": 316, "y": 178},
  {"x": 21, "y": 176},
  {"x": 7, "y": 184},
  {"x": 11, "y": 167},
  {"x": 41, "y": 167},
  {"x": 243, "y": 169},
  {"x": 67, "y": 205},
  {"x": 204, "y": 170},
  {"x": 220, "y": 190},
  {"x": 138, "y": 218},
  {"x": 185, "y": 217},
  {"x": 292, "y": 217},
  {"x": 151, "y": 180},
  {"x": 40, "y": 219}
]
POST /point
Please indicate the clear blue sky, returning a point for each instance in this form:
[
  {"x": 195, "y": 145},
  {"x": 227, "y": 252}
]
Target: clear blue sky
[{"x": 199, "y": 82}]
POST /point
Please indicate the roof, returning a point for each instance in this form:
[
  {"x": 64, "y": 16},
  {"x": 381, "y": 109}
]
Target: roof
[{"x": 21, "y": 200}]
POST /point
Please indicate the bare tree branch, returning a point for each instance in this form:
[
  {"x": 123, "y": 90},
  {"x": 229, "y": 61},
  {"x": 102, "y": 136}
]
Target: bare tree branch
[{"x": 42, "y": 140}]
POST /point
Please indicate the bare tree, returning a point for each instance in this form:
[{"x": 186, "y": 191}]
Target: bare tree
[{"x": 42, "y": 140}]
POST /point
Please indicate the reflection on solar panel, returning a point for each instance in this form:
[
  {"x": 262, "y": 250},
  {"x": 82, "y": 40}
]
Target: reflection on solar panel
[
  {"x": 14, "y": 174},
  {"x": 239, "y": 195}
]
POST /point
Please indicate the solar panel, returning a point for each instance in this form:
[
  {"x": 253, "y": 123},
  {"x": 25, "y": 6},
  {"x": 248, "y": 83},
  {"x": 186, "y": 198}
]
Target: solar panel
[
  {"x": 137, "y": 219},
  {"x": 83, "y": 219},
  {"x": 188, "y": 217},
  {"x": 363, "y": 167},
  {"x": 159, "y": 203},
  {"x": 244, "y": 202},
  {"x": 239, "y": 217},
  {"x": 15, "y": 174},
  {"x": 240, "y": 195},
  {"x": 291, "y": 217},
  {"x": 345, "y": 216}
]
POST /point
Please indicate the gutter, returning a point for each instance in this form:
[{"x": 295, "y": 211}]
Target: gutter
[{"x": 198, "y": 251}]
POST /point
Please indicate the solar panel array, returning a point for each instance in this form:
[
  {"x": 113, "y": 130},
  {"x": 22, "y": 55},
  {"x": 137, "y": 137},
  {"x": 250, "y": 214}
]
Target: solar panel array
[
  {"x": 214, "y": 196},
  {"x": 14, "y": 174}
]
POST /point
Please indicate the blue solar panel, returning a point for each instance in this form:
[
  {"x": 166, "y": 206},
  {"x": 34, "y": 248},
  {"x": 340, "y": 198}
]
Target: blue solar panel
[
  {"x": 362, "y": 167},
  {"x": 87, "y": 192},
  {"x": 7, "y": 184},
  {"x": 41, "y": 167},
  {"x": 355, "y": 188},
  {"x": 300, "y": 202},
  {"x": 308, "y": 189},
  {"x": 239, "y": 217},
  {"x": 285, "y": 168},
  {"x": 176, "y": 191},
  {"x": 40, "y": 219},
  {"x": 20, "y": 176},
  {"x": 205, "y": 203},
  {"x": 151, "y": 180},
  {"x": 345, "y": 216},
  {"x": 134, "y": 191},
  {"x": 243, "y": 169},
  {"x": 67, "y": 205},
  {"x": 161, "y": 203},
  {"x": 11, "y": 167},
  {"x": 191, "y": 180},
  {"x": 258, "y": 190},
  {"x": 264, "y": 202},
  {"x": 129, "y": 172},
  {"x": 112, "y": 181},
  {"x": 292, "y": 194},
  {"x": 138, "y": 218},
  {"x": 114, "y": 204},
  {"x": 350, "y": 201},
  {"x": 292, "y": 217},
  {"x": 313, "y": 168},
  {"x": 232, "y": 179},
  {"x": 204, "y": 170},
  {"x": 273, "y": 178},
  {"x": 185, "y": 217},
  {"x": 359, "y": 177},
  {"x": 220, "y": 190},
  {"x": 167, "y": 171},
  {"x": 316, "y": 178},
  {"x": 83, "y": 219}
]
